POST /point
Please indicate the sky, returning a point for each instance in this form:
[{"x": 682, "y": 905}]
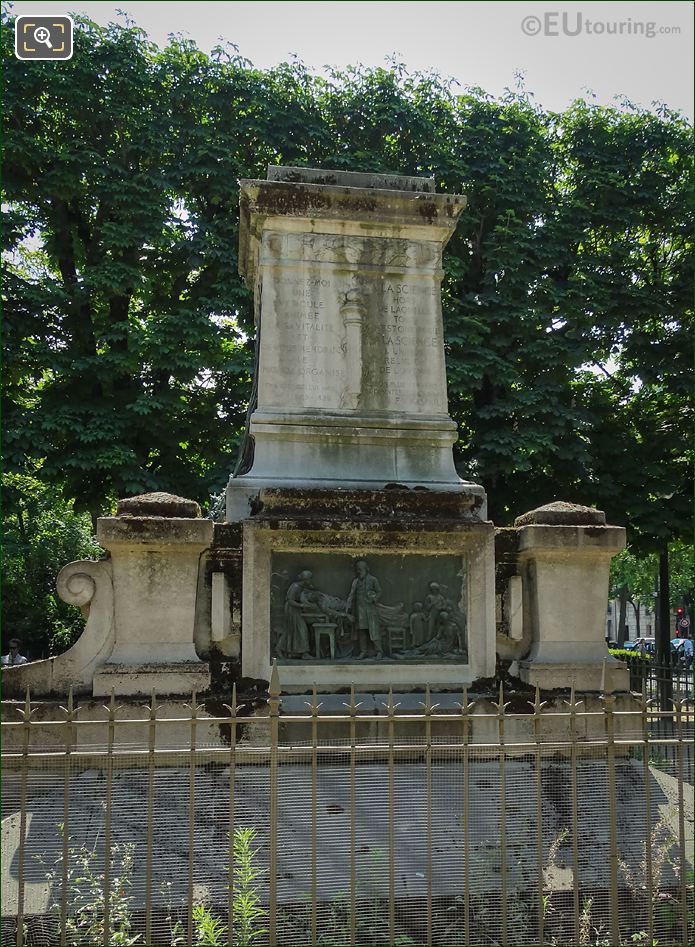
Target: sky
[{"x": 642, "y": 51}]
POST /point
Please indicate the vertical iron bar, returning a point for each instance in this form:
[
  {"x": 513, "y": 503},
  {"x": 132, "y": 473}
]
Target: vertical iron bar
[
  {"x": 609, "y": 700},
  {"x": 151, "y": 743},
  {"x": 466, "y": 818},
  {"x": 274, "y": 713},
  {"x": 191, "y": 813},
  {"x": 646, "y": 750},
  {"x": 232, "y": 802},
  {"x": 537, "y": 706},
  {"x": 23, "y": 791},
  {"x": 575, "y": 814},
  {"x": 314, "y": 811},
  {"x": 428, "y": 765},
  {"x": 391, "y": 821},
  {"x": 108, "y": 817},
  {"x": 503, "y": 820},
  {"x": 681, "y": 821},
  {"x": 353, "y": 820},
  {"x": 66, "y": 818}
]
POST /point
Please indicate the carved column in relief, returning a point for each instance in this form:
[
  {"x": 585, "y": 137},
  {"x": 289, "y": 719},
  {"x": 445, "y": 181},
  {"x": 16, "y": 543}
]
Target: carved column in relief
[{"x": 353, "y": 312}]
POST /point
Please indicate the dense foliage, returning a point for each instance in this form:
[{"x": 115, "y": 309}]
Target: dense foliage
[
  {"x": 638, "y": 576},
  {"x": 129, "y": 334},
  {"x": 42, "y": 533}
]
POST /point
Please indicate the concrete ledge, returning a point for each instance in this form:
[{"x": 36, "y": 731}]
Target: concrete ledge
[
  {"x": 153, "y": 531},
  {"x": 578, "y": 540},
  {"x": 610, "y": 676}
]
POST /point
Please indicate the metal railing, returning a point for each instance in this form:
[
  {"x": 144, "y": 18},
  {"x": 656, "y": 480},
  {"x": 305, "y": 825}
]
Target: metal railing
[
  {"x": 488, "y": 822},
  {"x": 663, "y": 682}
]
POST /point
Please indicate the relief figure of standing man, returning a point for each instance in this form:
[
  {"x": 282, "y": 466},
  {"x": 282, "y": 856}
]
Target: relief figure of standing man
[{"x": 362, "y": 604}]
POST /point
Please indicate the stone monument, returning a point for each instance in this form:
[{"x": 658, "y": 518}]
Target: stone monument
[
  {"x": 351, "y": 552},
  {"x": 362, "y": 547}
]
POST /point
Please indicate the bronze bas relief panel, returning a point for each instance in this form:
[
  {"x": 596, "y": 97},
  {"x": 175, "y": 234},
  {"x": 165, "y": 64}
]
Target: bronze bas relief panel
[{"x": 328, "y": 607}]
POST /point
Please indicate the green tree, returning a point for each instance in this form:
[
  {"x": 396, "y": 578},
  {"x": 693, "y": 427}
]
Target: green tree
[
  {"x": 635, "y": 580},
  {"x": 129, "y": 337},
  {"x": 127, "y": 362},
  {"x": 627, "y": 181},
  {"x": 42, "y": 534}
]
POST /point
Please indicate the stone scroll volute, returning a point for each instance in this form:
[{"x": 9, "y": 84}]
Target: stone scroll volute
[{"x": 87, "y": 585}]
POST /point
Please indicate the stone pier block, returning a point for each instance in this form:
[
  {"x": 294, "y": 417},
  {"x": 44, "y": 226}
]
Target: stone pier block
[
  {"x": 564, "y": 556},
  {"x": 155, "y": 563}
]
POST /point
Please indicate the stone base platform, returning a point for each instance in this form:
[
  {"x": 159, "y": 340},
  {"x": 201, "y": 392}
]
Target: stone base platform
[
  {"x": 606, "y": 676},
  {"x": 143, "y": 680}
]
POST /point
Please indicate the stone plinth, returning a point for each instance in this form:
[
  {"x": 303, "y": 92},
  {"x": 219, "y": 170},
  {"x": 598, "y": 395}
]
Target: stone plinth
[
  {"x": 565, "y": 569},
  {"x": 427, "y": 580},
  {"x": 351, "y": 381},
  {"x": 155, "y": 578},
  {"x": 141, "y": 605}
]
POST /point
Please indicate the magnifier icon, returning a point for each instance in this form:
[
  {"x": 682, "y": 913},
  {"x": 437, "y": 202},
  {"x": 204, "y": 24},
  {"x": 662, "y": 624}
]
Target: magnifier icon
[{"x": 43, "y": 35}]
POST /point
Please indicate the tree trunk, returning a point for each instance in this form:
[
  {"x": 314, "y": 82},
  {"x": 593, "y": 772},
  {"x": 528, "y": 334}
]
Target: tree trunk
[
  {"x": 638, "y": 630},
  {"x": 663, "y": 635},
  {"x": 663, "y": 640},
  {"x": 622, "y": 617}
]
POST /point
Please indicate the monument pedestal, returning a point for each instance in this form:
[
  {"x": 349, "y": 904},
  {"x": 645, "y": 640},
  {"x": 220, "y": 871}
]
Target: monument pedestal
[
  {"x": 346, "y": 269},
  {"x": 366, "y": 559}
]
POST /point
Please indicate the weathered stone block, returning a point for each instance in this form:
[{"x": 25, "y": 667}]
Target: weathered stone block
[
  {"x": 565, "y": 568},
  {"x": 346, "y": 270}
]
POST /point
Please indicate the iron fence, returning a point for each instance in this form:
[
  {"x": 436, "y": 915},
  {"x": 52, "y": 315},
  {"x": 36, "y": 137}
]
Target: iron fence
[
  {"x": 463, "y": 821},
  {"x": 661, "y": 681}
]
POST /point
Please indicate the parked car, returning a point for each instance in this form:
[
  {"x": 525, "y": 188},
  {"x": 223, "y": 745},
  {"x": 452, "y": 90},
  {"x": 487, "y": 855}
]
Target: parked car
[{"x": 636, "y": 645}]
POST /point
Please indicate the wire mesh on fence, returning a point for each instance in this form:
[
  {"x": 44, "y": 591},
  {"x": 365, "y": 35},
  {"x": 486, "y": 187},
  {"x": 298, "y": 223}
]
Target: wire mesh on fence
[{"x": 559, "y": 825}]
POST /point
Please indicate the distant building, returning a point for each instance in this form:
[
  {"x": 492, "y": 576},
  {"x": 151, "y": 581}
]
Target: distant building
[{"x": 647, "y": 621}]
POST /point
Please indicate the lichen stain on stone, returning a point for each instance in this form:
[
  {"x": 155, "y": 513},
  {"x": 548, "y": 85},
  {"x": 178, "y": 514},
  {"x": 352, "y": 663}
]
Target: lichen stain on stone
[
  {"x": 428, "y": 210},
  {"x": 299, "y": 201},
  {"x": 293, "y": 199},
  {"x": 227, "y": 536}
]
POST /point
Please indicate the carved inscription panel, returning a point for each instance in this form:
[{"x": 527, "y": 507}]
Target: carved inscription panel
[
  {"x": 351, "y": 324},
  {"x": 387, "y": 608}
]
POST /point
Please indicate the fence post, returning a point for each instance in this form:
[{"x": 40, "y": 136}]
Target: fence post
[
  {"x": 314, "y": 810},
  {"x": 537, "y": 707},
  {"x": 274, "y": 711},
  {"x": 232, "y": 708},
  {"x": 466, "y": 723},
  {"x": 26, "y": 729},
  {"x": 353, "y": 820},
  {"x": 191, "y": 811},
  {"x": 501, "y": 707},
  {"x": 391, "y": 711},
  {"x": 646, "y": 751},
  {"x": 575, "y": 812},
  {"x": 151, "y": 744},
  {"x": 609, "y": 701},
  {"x": 69, "y": 736},
  {"x": 681, "y": 822},
  {"x": 108, "y": 817},
  {"x": 428, "y": 803}
]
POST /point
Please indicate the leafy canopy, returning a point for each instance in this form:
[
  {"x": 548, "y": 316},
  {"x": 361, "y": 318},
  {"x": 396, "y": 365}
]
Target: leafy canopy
[{"x": 129, "y": 334}]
